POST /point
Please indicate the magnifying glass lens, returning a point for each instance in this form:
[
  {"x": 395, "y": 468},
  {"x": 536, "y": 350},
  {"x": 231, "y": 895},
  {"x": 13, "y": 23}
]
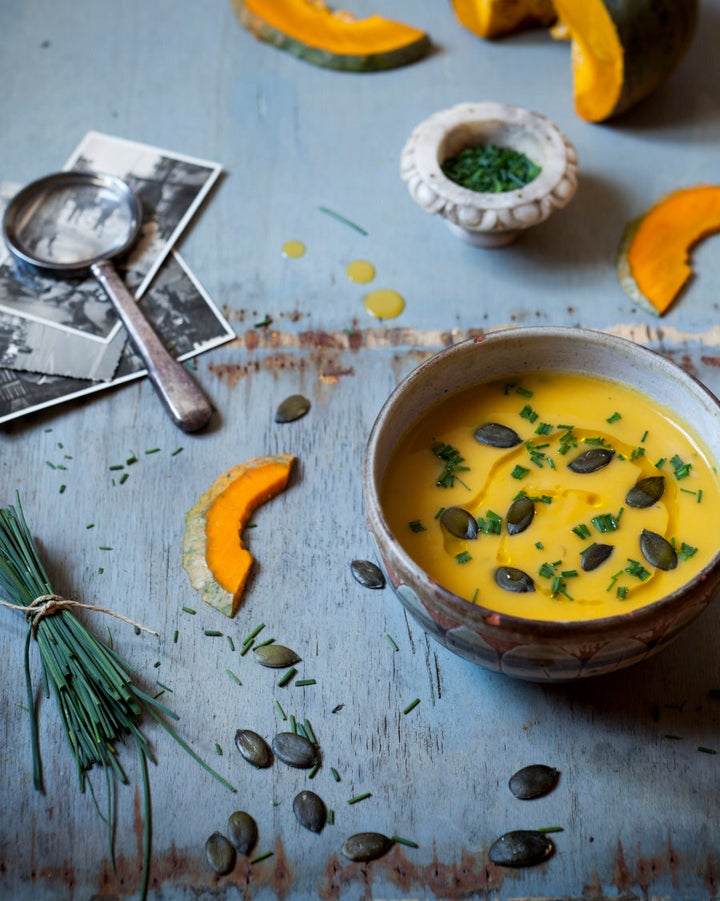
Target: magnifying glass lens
[{"x": 73, "y": 225}]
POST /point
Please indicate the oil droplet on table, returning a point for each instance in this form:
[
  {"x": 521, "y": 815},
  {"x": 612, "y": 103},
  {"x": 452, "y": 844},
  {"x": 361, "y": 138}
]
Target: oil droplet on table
[
  {"x": 293, "y": 249},
  {"x": 384, "y": 303},
  {"x": 360, "y": 271}
]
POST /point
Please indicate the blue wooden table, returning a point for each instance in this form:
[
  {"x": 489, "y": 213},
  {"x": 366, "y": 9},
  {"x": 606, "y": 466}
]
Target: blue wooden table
[{"x": 638, "y": 811}]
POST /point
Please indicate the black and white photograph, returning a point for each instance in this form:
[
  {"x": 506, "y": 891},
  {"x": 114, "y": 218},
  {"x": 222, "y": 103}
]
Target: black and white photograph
[{"x": 177, "y": 306}]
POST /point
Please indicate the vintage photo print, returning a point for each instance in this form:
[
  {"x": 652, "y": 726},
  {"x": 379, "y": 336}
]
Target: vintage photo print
[
  {"x": 179, "y": 310},
  {"x": 170, "y": 188}
]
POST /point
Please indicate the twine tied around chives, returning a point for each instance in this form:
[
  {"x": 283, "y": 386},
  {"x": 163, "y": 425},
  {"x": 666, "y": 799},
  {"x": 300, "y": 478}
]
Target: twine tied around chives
[{"x": 47, "y": 604}]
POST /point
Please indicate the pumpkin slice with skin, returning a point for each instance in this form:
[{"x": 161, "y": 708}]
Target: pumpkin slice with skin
[
  {"x": 495, "y": 18},
  {"x": 622, "y": 50},
  {"x": 334, "y": 39},
  {"x": 213, "y": 553},
  {"x": 653, "y": 259}
]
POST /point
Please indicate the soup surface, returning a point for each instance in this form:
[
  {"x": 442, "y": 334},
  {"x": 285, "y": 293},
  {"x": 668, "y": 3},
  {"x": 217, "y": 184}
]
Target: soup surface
[{"x": 557, "y": 496}]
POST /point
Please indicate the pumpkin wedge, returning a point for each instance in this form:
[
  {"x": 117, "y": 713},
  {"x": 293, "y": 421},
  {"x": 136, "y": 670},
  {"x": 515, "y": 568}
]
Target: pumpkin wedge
[
  {"x": 495, "y": 18},
  {"x": 314, "y": 32},
  {"x": 622, "y": 50},
  {"x": 213, "y": 553},
  {"x": 653, "y": 259}
]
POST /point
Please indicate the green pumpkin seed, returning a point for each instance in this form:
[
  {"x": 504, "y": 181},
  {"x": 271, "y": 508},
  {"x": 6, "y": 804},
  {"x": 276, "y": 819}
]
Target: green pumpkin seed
[
  {"x": 276, "y": 656},
  {"x": 242, "y": 831},
  {"x": 512, "y": 579},
  {"x": 657, "y": 550},
  {"x": 253, "y": 748},
  {"x": 494, "y": 434},
  {"x": 646, "y": 492},
  {"x": 519, "y": 515},
  {"x": 220, "y": 853},
  {"x": 292, "y": 408},
  {"x": 368, "y": 574},
  {"x": 294, "y": 750},
  {"x": 521, "y": 848},
  {"x": 365, "y": 846},
  {"x": 592, "y": 460},
  {"x": 310, "y": 811},
  {"x": 594, "y": 555},
  {"x": 533, "y": 781},
  {"x": 459, "y": 522}
]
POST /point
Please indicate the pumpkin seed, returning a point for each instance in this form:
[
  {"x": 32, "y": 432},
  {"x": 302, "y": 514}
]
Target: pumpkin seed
[
  {"x": 292, "y": 408},
  {"x": 276, "y": 656},
  {"x": 368, "y": 574},
  {"x": 592, "y": 460},
  {"x": 458, "y": 522},
  {"x": 294, "y": 750},
  {"x": 365, "y": 846},
  {"x": 594, "y": 555},
  {"x": 646, "y": 492},
  {"x": 242, "y": 831},
  {"x": 253, "y": 748},
  {"x": 533, "y": 781},
  {"x": 310, "y": 811},
  {"x": 494, "y": 434},
  {"x": 519, "y": 515},
  {"x": 657, "y": 550},
  {"x": 220, "y": 853},
  {"x": 512, "y": 579},
  {"x": 521, "y": 848}
]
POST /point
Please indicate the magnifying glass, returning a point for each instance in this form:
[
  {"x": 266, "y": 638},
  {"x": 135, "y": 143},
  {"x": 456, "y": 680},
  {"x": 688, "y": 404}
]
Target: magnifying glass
[{"x": 72, "y": 224}]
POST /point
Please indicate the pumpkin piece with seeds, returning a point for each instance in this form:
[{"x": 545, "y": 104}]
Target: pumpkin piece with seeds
[{"x": 213, "y": 554}]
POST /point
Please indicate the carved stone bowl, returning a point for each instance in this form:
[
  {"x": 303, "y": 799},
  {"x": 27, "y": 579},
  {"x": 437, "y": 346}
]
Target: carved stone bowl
[{"x": 489, "y": 219}]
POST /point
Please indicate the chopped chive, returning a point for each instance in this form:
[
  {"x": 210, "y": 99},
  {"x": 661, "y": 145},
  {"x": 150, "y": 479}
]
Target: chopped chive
[
  {"x": 131, "y": 459},
  {"x": 310, "y": 734},
  {"x": 544, "y": 428},
  {"x": 90, "y": 525},
  {"x": 213, "y": 633},
  {"x": 416, "y": 526},
  {"x": 258, "y": 857},
  {"x": 335, "y": 774},
  {"x": 178, "y": 450},
  {"x": 453, "y": 464},
  {"x": 614, "y": 418},
  {"x": 263, "y": 322},
  {"x": 218, "y": 750},
  {"x": 279, "y": 709},
  {"x": 474, "y": 598},
  {"x": 523, "y": 392},
  {"x": 255, "y": 632},
  {"x": 330, "y": 817},
  {"x": 411, "y": 706},
  {"x": 287, "y": 677},
  {"x": 635, "y": 568},
  {"x": 528, "y": 413},
  {"x": 605, "y": 522},
  {"x": 539, "y": 545},
  {"x": 293, "y": 723},
  {"x": 156, "y": 664},
  {"x": 362, "y": 797},
  {"x": 519, "y": 472},
  {"x": 348, "y": 222},
  {"x": 62, "y": 489},
  {"x": 123, "y": 478},
  {"x": 153, "y": 450},
  {"x": 175, "y": 636},
  {"x": 622, "y": 592},
  {"x": 301, "y": 683},
  {"x": 403, "y": 841},
  {"x": 705, "y": 750},
  {"x": 104, "y": 547},
  {"x": 314, "y": 771},
  {"x": 391, "y": 643},
  {"x": 116, "y": 467},
  {"x": 164, "y": 687},
  {"x": 264, "y": 644},
  {"x": 699, "y": 495},
  {"x": 547, "y": 829},
  {"x": 232, "y": 675},
  {"x": 463, "y": 557},
  {"x": 230, "y": 642},
  {"x": 190, "y": 610}
]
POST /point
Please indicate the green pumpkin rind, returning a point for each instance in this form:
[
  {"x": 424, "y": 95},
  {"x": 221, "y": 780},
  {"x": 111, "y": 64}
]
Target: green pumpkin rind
[
  {"x": 655, "y": 36},
  {"x": 401, "y": 55}
]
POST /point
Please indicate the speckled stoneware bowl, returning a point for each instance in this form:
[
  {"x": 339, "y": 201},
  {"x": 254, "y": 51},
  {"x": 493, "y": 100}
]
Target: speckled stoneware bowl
[
  {"x": 526, "y": 648},
  {"x": 489, "y": 219}
]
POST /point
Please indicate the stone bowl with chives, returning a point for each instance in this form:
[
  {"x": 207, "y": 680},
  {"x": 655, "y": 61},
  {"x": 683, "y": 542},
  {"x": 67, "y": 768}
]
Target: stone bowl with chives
[{"x": 491, "y": 170}]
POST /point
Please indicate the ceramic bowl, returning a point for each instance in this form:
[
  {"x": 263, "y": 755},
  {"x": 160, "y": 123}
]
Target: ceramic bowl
[
  {"x": 489, "y": 219},
  {"x": 536, "y": 650}
]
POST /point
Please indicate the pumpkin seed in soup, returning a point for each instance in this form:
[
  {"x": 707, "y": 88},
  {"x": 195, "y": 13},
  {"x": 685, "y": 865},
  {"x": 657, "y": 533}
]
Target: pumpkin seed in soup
[{"x": 614, "y": 469}]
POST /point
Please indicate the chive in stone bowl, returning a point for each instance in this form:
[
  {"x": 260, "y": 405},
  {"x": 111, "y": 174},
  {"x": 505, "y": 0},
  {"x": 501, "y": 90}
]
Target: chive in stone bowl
[
  {"x": 539, "y": 500},
  {"x": 522, "y": 197}
]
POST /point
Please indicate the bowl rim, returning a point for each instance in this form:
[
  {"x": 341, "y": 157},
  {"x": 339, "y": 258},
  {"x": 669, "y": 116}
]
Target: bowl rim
[{"x": 453, "y": 603}]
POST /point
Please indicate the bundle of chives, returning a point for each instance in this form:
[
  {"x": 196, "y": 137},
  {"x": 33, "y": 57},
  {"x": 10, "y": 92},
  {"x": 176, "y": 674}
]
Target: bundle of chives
[{"x": 98, "y": 702}]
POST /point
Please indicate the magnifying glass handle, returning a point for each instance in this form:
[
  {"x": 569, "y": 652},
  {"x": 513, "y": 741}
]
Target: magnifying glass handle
[{"x": 188, "y": 407}]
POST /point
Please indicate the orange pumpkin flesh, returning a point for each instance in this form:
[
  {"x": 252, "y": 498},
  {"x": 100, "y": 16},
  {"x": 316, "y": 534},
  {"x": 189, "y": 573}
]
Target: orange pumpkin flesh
[
  {"x": 214, "y": 556},
  {"x": 653, "y": 261},
  {"x": 494, "y": 18}
]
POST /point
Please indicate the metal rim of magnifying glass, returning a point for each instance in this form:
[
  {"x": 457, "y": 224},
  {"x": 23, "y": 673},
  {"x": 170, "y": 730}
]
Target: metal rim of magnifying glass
[{"x": 70, "y": 179}]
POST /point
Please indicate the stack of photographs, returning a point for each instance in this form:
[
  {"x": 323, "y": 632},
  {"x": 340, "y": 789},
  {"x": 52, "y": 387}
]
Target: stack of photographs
[{"x": 61, "y": 339}]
